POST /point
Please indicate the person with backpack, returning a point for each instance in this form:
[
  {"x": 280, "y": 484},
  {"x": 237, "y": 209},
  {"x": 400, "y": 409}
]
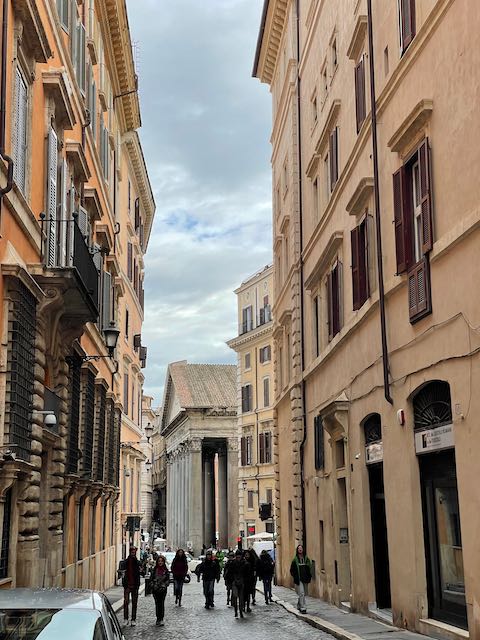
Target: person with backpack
[
  {"x": 209, "y": 570},
  {"x": 179, "y": 571},
  {"x": 301, "y": 572},
  {"x": 227, "y": 576},
  {"x": 159, "y": 584},
  {"x": 265, "y": 571}
]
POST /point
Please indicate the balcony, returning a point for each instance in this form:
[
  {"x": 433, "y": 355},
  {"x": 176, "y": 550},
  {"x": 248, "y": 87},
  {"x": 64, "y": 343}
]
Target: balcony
[{"x": 68, "y": 268}]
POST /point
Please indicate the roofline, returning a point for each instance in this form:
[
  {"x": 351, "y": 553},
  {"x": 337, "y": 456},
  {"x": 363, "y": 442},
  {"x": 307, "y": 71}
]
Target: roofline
[{"x": 260, "y": 38}]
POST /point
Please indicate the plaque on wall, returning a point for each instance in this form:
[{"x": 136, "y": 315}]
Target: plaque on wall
[
  {"x": 434, "y": 439},
  {"x": 374, "y": 453}
]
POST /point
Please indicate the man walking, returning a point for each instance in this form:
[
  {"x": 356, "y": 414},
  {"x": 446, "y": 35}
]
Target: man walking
[
  {"x": 209, "y": 569},
  {"x": 130, "y": 572},
  {"x": 301, "y": 572},
  {"x": 235, "y": 572}
]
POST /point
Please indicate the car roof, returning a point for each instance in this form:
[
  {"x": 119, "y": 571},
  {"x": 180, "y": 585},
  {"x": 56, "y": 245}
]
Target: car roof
[{"x": 50, "y": 599}]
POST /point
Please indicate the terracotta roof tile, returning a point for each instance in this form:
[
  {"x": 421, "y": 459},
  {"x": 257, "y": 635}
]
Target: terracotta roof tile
[{"x": 205, "y": 385}]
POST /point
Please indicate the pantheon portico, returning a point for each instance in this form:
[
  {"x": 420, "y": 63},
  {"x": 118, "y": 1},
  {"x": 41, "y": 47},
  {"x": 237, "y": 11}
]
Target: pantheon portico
[{"x": 200, "y": 432}]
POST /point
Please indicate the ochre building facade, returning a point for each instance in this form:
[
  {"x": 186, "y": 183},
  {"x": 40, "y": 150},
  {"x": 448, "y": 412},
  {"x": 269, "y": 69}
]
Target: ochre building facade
[
  {"x": 70, "y": 153},
  {"x": 378, "y": 437}
]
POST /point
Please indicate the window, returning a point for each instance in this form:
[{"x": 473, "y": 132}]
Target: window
[
  {"x": 266, "y": 392},
  {"x": 62, "y": 10},
  {"x": 247, "y": 361},
  {"x": 413, "y": 228},
  {"x": 322, "y": 546},
  {"x": 92, "y": 102},
  {"x": 360, "y": 102},
  {"x": 324, "y": 83},
  {"x": 316, "y": 325},
  {"x": 407, "y": 22},
  {"x": 247, "y": 398},
  {"x": 269, "y": 496},
  {"x": 334, "y": 300},
  {"x": 286, "y": 255},
  {"x": 386, "y": 63},
  {"x": 278, "y": 200},
  {"x": 280, "y": 367},
  {"x": 315, "y": 199},
  {"x": 104, "y": 149},
  {"x": 340, "y": 453},
  {"x": 269, "y": 528},
  {"x": 88, "y": 422},
  {"x": 130, "y": 261},
  {"x": 127, "y": 324},
  {"x": 314, "y": 109},
  {"x": 360, "y": 283},
  {"x": 319, "y": 444},
  {"x": 265, "y": 354},
  {"x": 333, "y": 155},
  {"x": 129, "y": 196},
  {"x": 288, "y": 355},
  {"x": 246, "y": 451},
  {"x": 265, "y": 448},
  {"x": 247, "y": 319},
  {"x": 250, "y": 499},
  {"x": 78, "y": 47},
  {"x": 19, "y": 142},
  {"x": 334, "y": 55}
]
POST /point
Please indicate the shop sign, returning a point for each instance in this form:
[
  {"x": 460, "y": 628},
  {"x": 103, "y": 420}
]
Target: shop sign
[
  {"x": 434, "y": 439},
  {"x": 251, "y": 529},
  {"x": 343, "y": 538},
  {"x": 374, "y": 452}
]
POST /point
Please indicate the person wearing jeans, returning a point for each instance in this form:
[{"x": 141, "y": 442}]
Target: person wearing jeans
[
  {"x": 301, "y": 572},
  {"x": 209, "y": 570},
  {"x": 179, "y": 572},
  {"x": 160, "y": 582},
  {"x": 129, "y": 569},
  {"x": 265, "y": 571}
]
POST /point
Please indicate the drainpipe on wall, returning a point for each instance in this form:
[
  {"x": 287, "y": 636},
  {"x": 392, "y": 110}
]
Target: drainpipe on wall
[
  {"x": 302, "y": 314},
  {"x": 381, "y": 288},
  {"x": 3, "y": 108}
]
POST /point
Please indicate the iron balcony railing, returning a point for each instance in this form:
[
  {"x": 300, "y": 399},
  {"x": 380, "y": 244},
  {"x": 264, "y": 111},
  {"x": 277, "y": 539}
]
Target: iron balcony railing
[{"x": 65, "y": 247}]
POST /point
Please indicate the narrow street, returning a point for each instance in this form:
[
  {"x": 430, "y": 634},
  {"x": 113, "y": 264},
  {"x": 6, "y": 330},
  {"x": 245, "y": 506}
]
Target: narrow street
[{"x": 192, "y": 620}]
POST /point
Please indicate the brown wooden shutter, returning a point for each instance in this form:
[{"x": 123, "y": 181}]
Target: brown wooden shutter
[
  {"x": 336, "y": 299},
  {"x": 354, "y": 234},
  {"x": 407, "y": 22},
  {"x": 425, "y": 194},
  {"x": 269, "y": 353},
  {"x": 261, "y": 356},
  {"x": 363, "y": 283},
  {"x": 419, "y": 298},
  {"x": 330, "y": 306},
  {"x": 137, "y": 214},
  {"x": 360, "y": 93},
  {"x": 333, "y": 151},
  {"x": 243, "y": 399},
  {"x": 261, "y": 446},
  {"x": 400, "y": 219},
  {"x": 242, "y": 451},
  {"x": 249, "y": 397},
  {"x": 129, "y": 260}
]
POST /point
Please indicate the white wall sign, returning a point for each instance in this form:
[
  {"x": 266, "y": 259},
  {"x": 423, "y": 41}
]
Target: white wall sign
[
  {"x": 374, "y": 452},
  {"x": 434, "y": 439}
]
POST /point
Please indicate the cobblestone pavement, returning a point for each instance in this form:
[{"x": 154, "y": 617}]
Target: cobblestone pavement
[{"x": 193, "y": 621}]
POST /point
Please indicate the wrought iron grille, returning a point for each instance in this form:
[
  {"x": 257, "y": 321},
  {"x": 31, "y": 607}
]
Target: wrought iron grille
[
  {"x": 88, "y": 420},
  {"x": 74, "y": 422},
  {"x": 373, "y": 429},
  {"x": 432, "y": 406},
  {"x": 100, "y": 428},
  {"x": 111, "y": 444},
  {"x": 21, "y": 365},
  {"x": 118, "y": 423},
  {"x": 5, "y": 548}
]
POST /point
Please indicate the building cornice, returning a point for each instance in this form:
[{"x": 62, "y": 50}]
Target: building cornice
[
  {"x": 264, "y": 330},
  {"x": 274, "y": 19},
  {"x": 118, "y": 45}
]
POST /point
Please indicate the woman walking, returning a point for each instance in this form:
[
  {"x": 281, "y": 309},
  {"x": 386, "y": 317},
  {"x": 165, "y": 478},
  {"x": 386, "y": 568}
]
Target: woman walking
[
  {"x": 160, "y": 582},
  {"x": 301, "y": 572},
  {"x": 179, "y": 571},
  {"x": 265, "y": 571},
  {"x": 250, "y": 580}
]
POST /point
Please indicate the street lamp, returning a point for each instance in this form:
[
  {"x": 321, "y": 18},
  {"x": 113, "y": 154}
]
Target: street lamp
[
  {"x": 111, "y": 334},
  {"x": 148, "y": 431},
  {"x": 148, "y": 465}
]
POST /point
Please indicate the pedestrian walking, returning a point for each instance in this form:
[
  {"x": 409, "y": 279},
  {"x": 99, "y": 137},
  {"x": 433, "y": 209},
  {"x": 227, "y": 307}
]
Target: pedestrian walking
[
  {"x": 265, "y": 571},
  {"x": 160, "y": 581},
  {"x": 129, "y": 569},
  {"x": 209, "y": 570},
  {"x": 236, "y": 570},
  {"x": 253, "y": 560},
  {"x": 249, "y": 581},
  {"x": 227, "y": 576},
  {"x": 179, "y": 572},
  {"x": 301, "y": 572}
]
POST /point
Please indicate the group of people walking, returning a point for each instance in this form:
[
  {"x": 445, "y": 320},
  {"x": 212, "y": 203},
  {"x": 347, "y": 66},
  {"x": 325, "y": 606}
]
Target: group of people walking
[{"x": 240, "y": 572}]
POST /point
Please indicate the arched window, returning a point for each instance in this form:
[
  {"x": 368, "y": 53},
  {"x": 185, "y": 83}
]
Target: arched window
[
  {"x": 432, "y": 405},
  {"x": 373, "y": 429}
]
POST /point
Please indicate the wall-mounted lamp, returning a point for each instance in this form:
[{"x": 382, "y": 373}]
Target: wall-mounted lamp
[
  {"x": 148, "y": 465},
  {"x": 148, "y": 431},
  {"x": 111, "y": 334}
]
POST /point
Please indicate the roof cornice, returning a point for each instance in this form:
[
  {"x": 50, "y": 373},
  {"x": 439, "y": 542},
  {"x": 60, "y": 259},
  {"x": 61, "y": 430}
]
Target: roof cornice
[
  {"x": 114, "y": 22},
  {"x": 274, "y": 18}
]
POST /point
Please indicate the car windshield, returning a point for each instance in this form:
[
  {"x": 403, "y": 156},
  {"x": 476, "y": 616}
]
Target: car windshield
[
  {"x": 169, "y": 556},
  {"x": 47, "y": 624}
]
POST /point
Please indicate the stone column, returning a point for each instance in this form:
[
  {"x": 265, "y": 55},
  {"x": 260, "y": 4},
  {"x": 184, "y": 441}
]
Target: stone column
[
  {"x": 209, "y": 497},
  {"x": 176, "y": 509},
  {"x": 188, "y": 462},
  {"x": 232, "y": 490},
  {"x": 168, "y": 533},
  {"x": 196, "y": 495},
  {"x": 181, "y": 500},
  {"x": 222, "y": 500}
]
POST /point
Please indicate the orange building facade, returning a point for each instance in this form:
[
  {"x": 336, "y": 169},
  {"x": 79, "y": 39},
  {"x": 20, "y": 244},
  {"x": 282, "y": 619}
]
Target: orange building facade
[{"x": 76, "y": 214}]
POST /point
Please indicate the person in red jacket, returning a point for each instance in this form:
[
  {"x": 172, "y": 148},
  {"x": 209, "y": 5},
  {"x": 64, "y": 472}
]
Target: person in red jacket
[{"x": 179, "y": 570}]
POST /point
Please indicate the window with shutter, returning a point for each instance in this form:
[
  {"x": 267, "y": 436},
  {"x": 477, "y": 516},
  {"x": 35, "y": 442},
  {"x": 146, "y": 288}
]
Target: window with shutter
[
  {"x": 130, "y": 261},
  {"x": 137, "y": 214},
  {"x": 62, "y": 10},
  {"x": 268, "y": 449},
  {"x": 402, "y": 223},
  {"x": 360, "y": 284},
  {"x": 318, "y": 442},
  {"x": 126, "y": 384},
  {"x": 52, "y": 197},
  {"x": 242, "y": 452},
  {"x": 419, "y": 298},
  {"x": 63, "y": 216},
  {"x": 247, "y": 361},
  {"x": 261, "y": 448},
  {"x": 407, "y": 22},
  {"x": 334, "y": 284},
  {"x": 316, "y": 325},
  {"x": 107, "y": 299},
  {"x": 360, "y": 102},
  {"x": 333, "y": 155},
  {"x": 19, "y": 131},
  {"x": 80, "y": 67},
  {"x": 266, "y": 392}
]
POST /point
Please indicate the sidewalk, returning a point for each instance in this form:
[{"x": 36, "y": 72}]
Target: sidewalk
[{"x": 340, "y": 624}]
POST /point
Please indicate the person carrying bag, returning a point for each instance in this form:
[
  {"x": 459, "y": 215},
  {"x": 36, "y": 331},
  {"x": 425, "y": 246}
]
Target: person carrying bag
[{"x": 159, "y": 584}]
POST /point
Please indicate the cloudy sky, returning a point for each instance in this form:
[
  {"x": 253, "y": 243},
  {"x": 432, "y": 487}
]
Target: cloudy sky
[{"x": 206, "y": 125}]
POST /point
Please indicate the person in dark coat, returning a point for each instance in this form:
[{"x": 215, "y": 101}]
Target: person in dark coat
[
  {"x": 250, "y": 580},
  {"x": 209, "y": 569},
  {"x": 179, "y": 571},
  {"x": 160, "y": 582},
  {"x": 301, "y": 572},
  {"x": 235, "y": 571},
  {"x": 265, "y": 571},
  {"x": 254, "y": 560},
  {"x": 129, "y": 569},
  {"x": 227, "y": 577}
]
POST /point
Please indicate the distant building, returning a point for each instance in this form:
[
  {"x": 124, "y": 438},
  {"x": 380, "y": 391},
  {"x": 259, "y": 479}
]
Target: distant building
[
  {"x": 149, "y": 419},
  {"x": 199, "y": 427},
  {"x": 255, "y": 392}
]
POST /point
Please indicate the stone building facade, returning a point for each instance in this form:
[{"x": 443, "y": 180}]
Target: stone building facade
[
  {"x": 67, "y": 154},
  {"x": 258, "y": 439},
  {"x": 376, "y": 219},
  {"x": 199, "y": 426}
]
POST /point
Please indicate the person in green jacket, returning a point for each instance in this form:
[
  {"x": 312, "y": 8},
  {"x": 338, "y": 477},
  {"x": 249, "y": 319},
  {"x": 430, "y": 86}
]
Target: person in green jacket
[{"x": 301, "y": 572}]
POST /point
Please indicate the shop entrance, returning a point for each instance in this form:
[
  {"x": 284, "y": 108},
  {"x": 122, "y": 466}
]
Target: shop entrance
[
  {"x": 434, "y": 444},
  {"x": 374, "y": 460}
]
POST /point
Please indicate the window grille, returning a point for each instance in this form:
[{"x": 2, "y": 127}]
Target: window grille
[
  {"x": 74, "y": 422},
  {"x": 100, "y": 428},
  {"x": 88, "y": 417},
  {"x": 5, "y": 548}
]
